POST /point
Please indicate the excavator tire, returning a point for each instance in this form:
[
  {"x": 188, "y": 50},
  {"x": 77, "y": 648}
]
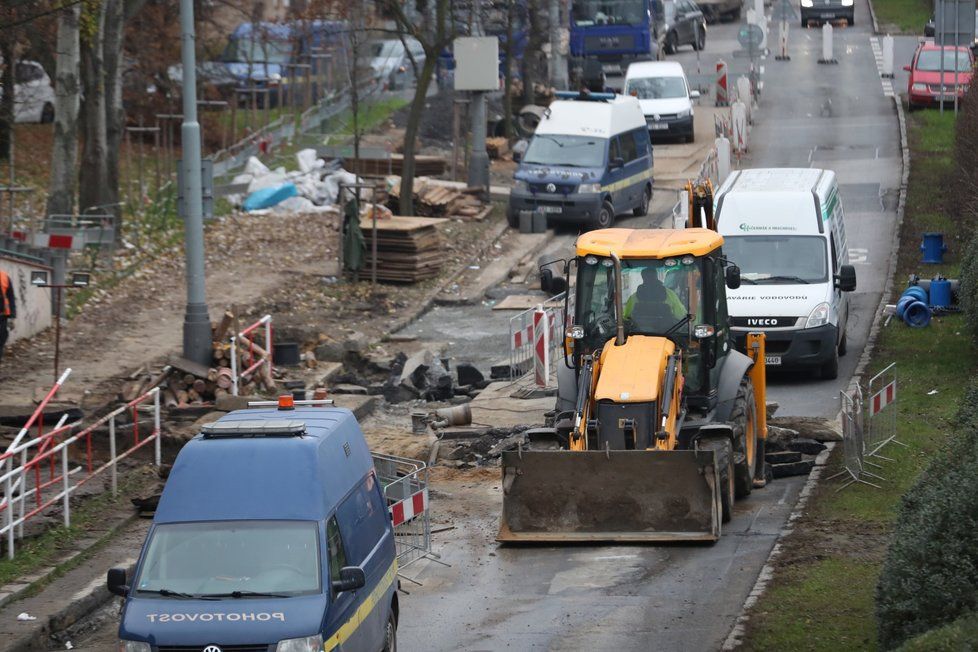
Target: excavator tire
[
  {"x": 742, "y": 417},
  {"x": 723, "y": 453}
]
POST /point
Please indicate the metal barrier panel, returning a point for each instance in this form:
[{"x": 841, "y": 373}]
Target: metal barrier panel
[
  {"x": 256, "y": 356},
  {"x": 405, "y": 484},
  {"x": 30, "y": 467},
  {"x": 853, "y": 445},
  {"x": 882, "y": 411},
  {"x": 521, "y": 336}
]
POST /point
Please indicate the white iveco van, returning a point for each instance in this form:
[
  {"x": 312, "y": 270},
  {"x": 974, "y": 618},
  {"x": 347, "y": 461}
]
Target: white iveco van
[{"x": 784, "y": 228}]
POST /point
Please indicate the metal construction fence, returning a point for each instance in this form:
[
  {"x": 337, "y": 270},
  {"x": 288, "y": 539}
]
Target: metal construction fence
[
  {"x": 869, "y": 423},
  {"x": 523, "y": 336},
  {"x": 30, "y": 468},
  {"x": 881, "y": 411},
  {"x": 405, "y": 484}
]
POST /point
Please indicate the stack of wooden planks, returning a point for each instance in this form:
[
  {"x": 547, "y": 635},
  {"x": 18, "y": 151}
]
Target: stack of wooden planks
[
  {"x": 434, "y": 199},
  {"x": 409, "y": 249}
]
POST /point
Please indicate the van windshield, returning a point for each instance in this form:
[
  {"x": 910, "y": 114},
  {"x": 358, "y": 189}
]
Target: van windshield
[
  {"x": 656, "y": 88},
  {"x": 609, "y": 12},
  {"x": 224, "y": 558},
  {"x": 571, "y": 151},
  {"x": 778, "y": 259},
  {"x": 258, "y": 50}
]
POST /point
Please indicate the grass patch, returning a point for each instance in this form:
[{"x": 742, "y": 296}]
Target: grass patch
[
  {"x": 824, "y": 592},
  {"x": 37, "y": 553},
  {"x": 908, "y": 16}
]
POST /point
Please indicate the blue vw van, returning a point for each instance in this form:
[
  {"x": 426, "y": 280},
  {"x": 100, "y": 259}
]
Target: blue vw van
[
  {"x": 590, "y": 159},
  {"x": 272, "y": 534}
]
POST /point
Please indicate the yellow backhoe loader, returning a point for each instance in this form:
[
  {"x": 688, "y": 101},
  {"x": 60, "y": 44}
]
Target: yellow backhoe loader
[{"x": 659, "y": 423}]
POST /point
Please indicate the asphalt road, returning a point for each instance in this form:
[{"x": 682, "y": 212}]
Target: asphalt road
[{"x": 683, "y": 597}]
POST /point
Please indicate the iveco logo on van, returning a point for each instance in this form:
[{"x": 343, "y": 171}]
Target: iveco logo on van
[{"x": 761, "y": 321}]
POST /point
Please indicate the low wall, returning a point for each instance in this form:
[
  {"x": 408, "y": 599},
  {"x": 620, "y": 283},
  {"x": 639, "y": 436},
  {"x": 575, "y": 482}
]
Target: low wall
[{"x": 33, "y": 303}]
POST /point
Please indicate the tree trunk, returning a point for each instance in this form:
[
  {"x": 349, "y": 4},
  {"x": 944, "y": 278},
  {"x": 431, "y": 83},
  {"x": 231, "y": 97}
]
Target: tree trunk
[
  {"x": 92, "y": 176},
  {"x": 114, "y": 114},
  {"x": 7, "y": 98},
  {"x": 406, "y": 200},
  {"x": 64, "y": 153}
]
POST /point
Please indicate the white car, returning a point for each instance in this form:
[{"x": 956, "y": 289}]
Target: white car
[
  {"x": 664, "y": 95},
  {"x": 392, "y": 65},
  {"x": 33, "y": 94}
]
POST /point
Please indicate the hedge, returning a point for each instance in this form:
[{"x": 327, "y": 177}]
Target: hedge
[
  {"x": 930, "y": 573},
  {"x": 960, "y": 635}
]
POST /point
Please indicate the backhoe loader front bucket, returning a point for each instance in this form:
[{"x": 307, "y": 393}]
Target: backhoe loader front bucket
[{"x": 642, "y": 496}]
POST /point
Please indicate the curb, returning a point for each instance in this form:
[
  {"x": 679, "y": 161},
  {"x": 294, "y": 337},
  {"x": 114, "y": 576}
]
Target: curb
[
  {"x": 735, "y": 638},
  {"x": 872, "y": 15},
  {"x": 429, "y": 299},
  {"x": 14, "y": 591},
  {"x": 80, "y": 605}
]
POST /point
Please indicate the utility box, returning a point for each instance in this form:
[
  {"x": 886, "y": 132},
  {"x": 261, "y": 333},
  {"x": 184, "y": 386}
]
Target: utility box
[{"x": 476, "y": 63}]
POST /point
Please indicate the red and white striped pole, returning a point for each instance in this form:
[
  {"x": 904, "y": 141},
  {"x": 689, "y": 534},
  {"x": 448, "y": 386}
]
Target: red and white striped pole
[
  {"x": 40, "y": 408},
  {"x": 541, "y": 346}
]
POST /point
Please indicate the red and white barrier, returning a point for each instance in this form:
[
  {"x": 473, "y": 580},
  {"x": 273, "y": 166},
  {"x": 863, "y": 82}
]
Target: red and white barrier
[
  {"x": 405, "y": 510},
  {"x": 253, "y": 361},
  {"x": 882, "y": 398},
  {"x": 541, "y": 347},
  {"x": 739, "y": 126},
  {"x": 722, "y": 93}
]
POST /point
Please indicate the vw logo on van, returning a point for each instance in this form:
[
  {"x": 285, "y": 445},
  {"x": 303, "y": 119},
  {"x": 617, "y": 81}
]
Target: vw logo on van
[
  {"x": 551, "y": 187},
  {"x": 212, "y": 648}
]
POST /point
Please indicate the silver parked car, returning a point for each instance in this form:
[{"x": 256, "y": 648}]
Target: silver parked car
[{"x": 391, "y": 64}]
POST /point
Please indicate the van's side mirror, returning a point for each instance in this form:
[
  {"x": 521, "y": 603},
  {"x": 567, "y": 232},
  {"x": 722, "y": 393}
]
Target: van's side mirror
[
  {"x": 907, "y": 68},
  {"x": 846, "y": 279},
  {"x": 694, "y": 95},
  {"x": 116, "y": 582},
  {"x": 351, "y": 579},
  {"x": 517, "y": 156},
  {"x": 733, "y": 277},
  {"x": 618, "y": 162}
]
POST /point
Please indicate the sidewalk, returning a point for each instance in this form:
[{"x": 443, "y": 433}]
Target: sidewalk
[{"x": 72, "y": 596}]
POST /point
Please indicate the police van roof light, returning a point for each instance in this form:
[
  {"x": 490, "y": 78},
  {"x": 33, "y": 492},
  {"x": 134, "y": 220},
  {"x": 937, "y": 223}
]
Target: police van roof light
[
  {"x": 585, "y": 95},
  {"x": 286, "y": 402}
]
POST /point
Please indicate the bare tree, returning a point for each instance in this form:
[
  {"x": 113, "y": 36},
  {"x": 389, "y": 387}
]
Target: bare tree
[
  {"x": 93, "y": 172},
  {"x": 66, "y": 88},
  {"x": 7, "y": 96},
  {"x": 435, "y": 32}
]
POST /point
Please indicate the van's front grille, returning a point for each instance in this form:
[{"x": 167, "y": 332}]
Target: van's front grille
[
  {"x": 562, "y": 188},
  {"x": 224, "y": 648}
]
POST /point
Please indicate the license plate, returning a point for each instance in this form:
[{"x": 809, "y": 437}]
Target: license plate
[
  {"x": 772, "y": 360},
  {"x": 551, "y": 209},
  {"x": 611, "y": 67},
  {"x": 946, "y": 98},
  {"x": 658, "y": 126}
]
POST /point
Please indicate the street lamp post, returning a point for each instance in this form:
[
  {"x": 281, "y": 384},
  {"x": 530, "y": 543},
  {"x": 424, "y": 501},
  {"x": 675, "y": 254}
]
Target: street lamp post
[{"x": 196, "y": 323}]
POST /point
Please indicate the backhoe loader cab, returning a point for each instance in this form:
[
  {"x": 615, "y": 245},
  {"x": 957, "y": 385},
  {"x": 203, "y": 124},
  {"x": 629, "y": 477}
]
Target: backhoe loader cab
[{"x": 660, "y": 421}]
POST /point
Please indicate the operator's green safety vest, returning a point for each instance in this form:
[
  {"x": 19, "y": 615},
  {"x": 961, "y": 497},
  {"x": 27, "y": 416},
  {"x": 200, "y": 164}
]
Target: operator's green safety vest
[{"x": 672, "y": 300}]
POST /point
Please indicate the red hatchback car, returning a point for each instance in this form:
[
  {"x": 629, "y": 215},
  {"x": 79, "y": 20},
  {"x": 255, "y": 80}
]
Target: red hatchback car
[{"x": 925, "y": 86}]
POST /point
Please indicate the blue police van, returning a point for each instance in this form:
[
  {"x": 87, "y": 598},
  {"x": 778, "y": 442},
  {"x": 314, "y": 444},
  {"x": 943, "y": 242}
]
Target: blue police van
[
  {"x": 272, "y": 534},
  {"x": 590, "y": 159}
]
